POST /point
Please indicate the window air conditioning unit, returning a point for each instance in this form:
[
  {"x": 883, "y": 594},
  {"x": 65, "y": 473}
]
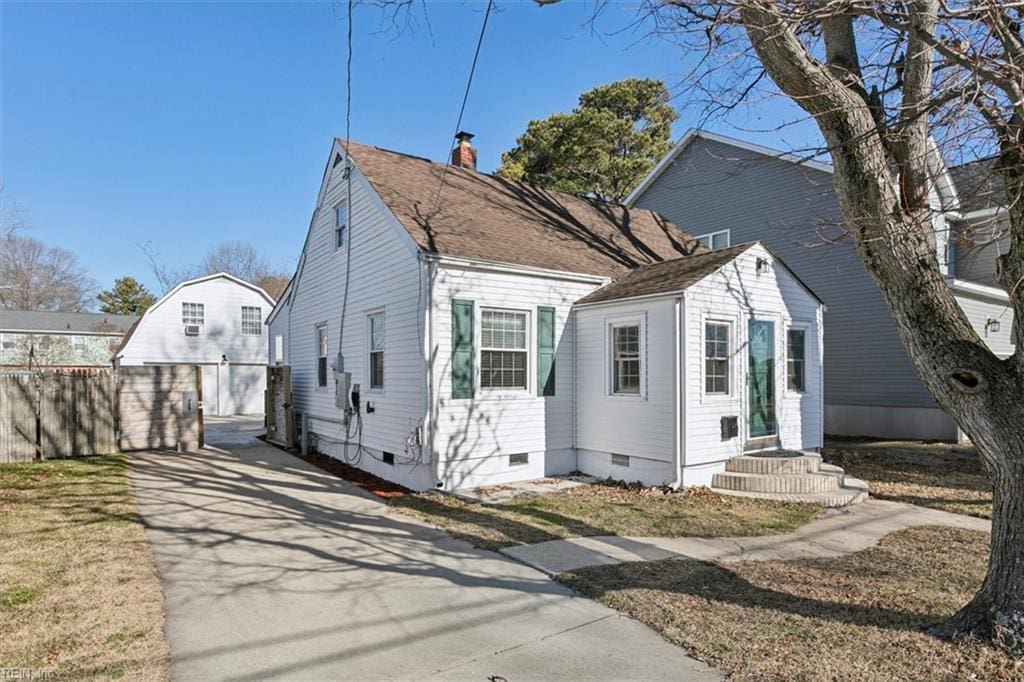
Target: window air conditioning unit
[{"x": 191, "y": 330}]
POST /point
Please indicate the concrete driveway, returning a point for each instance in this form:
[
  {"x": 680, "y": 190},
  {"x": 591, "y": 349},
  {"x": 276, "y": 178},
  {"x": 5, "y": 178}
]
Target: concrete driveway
[{"x": 274, "y": 569}]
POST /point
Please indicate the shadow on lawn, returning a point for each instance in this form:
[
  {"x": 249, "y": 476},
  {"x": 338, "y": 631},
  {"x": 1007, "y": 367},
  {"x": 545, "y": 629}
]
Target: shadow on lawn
[{"x": 714, "y": 583}]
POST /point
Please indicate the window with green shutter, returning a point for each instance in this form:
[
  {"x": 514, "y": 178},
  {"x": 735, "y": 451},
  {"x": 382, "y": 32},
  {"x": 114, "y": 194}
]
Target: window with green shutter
[
  {"x": 462, "y": 348},
  {"x": 545, "y": 350}
]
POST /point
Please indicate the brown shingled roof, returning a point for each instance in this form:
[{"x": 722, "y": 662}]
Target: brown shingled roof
[
  {"x": 483, "y": 217},
  {"x": 666, "y": 277}
]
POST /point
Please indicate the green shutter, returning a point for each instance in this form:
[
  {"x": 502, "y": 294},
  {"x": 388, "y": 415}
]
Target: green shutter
[
  {"x": 462, "y": 349},
  {"x": 545, "y": 350}
]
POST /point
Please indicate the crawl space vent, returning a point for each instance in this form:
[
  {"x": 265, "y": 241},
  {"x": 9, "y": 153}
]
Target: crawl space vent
[
  {"x": 519, "y": 458},
  {"x": 388, "y": 457},
  {"x": 620, "y": 460}
]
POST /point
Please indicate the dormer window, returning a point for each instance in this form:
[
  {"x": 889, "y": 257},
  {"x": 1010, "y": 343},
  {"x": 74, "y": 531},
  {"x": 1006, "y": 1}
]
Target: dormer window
[
  {"x": 714, "y": 240},
  {"x": 340, "y": 225}
]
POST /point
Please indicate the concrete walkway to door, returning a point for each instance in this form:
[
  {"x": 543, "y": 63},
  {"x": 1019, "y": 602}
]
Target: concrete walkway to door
[{"x": 274, "y": 569}]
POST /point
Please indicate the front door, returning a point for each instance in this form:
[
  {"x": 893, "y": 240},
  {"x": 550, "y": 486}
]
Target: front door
[{"x": 761, "y": 378}]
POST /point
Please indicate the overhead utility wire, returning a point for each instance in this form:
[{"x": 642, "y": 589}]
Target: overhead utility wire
[
  {"x": 465, "y": 98},
  {"x": 348, "y": 180}
]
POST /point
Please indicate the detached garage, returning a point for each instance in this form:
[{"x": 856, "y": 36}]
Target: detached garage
[{"x": 215, "y": 322}]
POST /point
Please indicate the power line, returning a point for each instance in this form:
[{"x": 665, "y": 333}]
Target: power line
[{"x": 465, "y": 98}]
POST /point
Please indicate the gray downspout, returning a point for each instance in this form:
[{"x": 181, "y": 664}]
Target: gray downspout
[{"x": 679, "y": 366}]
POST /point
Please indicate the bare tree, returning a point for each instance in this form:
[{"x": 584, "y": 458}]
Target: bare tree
[
  {"x": 34, "y": 276},
  {"x": 893, "y": 88},
  {"x": 236, "y": 258}
]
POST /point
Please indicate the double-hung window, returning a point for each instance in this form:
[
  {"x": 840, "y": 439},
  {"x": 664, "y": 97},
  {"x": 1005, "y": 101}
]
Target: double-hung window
[
  {"x": 626, "y": 359},
  {"x": 503, "y": 350},
  {"x": 716, "y": 358},
  {"x": 796, "y": 360},
  {"x": 321, "y": 355},
  {"x": 714, "y": 240},
  {"x": 252, "y": 320},
  {"x": 193, "y": 313},
  {"x": 376, "y": 342},
  {"x": 340, "y": 225}
]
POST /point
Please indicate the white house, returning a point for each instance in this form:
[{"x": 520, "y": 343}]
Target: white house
[
  {"x": 497, "y": 332},
  {"x": 216, "y": 322}
]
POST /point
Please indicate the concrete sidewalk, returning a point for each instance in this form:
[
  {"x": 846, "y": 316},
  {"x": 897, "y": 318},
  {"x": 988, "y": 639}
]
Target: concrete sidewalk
[
  {"x": 840, "y": 532},
  {"x": 274, "y": 569}
]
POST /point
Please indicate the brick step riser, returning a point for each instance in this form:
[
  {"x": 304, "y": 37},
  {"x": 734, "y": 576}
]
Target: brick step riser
[
  {"x": 778, "y": 484},
  {"x": 773, "y": 465}
]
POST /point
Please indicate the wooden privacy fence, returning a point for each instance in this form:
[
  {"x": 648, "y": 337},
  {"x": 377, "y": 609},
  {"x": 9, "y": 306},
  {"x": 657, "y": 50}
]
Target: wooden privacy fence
[{"x": 46, "y": 416}]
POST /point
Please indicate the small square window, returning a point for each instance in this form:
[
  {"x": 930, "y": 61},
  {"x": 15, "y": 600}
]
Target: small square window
[
  {"x": 388, "y": 457},
  {"x": 78, "y": 343},
  {"x": 193, "y": 314},
  {"x": 252, "y": 320}
]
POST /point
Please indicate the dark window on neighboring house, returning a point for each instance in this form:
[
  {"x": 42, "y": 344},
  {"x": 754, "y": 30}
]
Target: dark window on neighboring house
[
  {"x": 796, "y": 360},
  {"x": 321, "y": 355}
]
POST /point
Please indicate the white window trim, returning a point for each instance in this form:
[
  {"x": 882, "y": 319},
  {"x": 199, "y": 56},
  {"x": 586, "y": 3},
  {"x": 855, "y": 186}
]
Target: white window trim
[
  {"x": 624, "y": 320},
  {"x": 368, "y": 351},
  {"x": 710, "y": 236},
  {"x": 806, "y": 327},
  {"x": 259, "y": 320},
  {"x": 498, "y": 392},
  {"x": 316, "y": 356},
  {"x": 733, "y": 395},
  {"x": 334, "y": 226},
  {"x": 202, "y": 306}
]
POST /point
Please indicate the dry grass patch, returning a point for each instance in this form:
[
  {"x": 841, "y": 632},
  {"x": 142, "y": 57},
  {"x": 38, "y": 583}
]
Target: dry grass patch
[
  {"x": 859, "y": 617},
  {"x": 79, "y": 593},
  {"x": 938, "y": 475},
  {"x": 604, "y": 509}
]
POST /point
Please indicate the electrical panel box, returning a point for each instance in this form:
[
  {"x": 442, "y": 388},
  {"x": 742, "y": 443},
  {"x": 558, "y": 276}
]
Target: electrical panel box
[
  {"x": 730, "y": 427},
  {"x": 342, "y": 390}
]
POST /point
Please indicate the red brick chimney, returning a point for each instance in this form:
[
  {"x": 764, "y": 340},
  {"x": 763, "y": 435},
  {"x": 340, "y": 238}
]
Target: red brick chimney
[{"x": 464, "y": 156}]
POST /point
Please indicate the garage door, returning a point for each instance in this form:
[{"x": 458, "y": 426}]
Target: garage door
[{"x": 246, "y": 386}]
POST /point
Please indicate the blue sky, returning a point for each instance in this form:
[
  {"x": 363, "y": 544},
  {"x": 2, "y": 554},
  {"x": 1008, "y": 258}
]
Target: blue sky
[{"x": 187, "y": 124}]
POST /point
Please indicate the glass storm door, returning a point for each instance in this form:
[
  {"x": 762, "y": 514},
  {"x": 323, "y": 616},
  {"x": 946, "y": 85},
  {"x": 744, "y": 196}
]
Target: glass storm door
[{"x": 761, "y": 378}]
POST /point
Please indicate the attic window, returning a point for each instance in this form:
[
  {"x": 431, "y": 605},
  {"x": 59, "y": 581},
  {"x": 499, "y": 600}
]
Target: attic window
[
  {"x": 337, "y": 160},
  {"x": 340, "y": 225},
  {"x": 714, "y": 241}
]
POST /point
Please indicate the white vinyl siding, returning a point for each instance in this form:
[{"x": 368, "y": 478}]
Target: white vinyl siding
[
  {"x": 385, "y": 275},
  {"x": 234, "y": 364}
]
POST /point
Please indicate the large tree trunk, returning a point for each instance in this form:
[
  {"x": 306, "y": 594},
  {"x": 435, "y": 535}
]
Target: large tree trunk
[{"x": 881, "y": 179}]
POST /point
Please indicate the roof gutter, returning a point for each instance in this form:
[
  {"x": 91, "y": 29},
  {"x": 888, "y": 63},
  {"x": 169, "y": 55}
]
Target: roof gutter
[{"x": 495, "y": 266}]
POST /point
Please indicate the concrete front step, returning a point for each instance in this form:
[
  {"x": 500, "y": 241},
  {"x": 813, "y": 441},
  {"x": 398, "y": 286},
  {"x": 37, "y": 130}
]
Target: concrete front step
[
  {"x": 752, "y": 464},
  {"x": 853, "y": 491},
  {"x": 778, "y": 483}
]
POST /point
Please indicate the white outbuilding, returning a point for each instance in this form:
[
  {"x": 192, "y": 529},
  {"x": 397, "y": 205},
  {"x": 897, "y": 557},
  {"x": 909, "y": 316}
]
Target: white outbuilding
[{"x": 216, "y": 322}]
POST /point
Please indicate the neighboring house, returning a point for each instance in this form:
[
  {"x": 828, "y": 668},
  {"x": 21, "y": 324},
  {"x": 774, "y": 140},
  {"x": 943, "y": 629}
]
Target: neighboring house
[
  {"x": 498, "y": 332},
  {"x": 217, "y": 322},
  {"x": 727, "y": 191},
  {"x": 37, "y": 338}
]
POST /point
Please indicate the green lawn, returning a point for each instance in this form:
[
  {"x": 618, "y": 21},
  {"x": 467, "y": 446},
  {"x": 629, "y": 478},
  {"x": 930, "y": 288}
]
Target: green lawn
[
  {"x": 938, "y": 475},
  {"x": 79, "y": 593},
  {"x": 604, "y": 509},
  {"x": 858, "y": 617}
]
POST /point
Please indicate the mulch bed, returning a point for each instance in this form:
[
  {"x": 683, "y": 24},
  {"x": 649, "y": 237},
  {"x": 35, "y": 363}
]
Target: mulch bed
[{"x": 357, "y": 477}]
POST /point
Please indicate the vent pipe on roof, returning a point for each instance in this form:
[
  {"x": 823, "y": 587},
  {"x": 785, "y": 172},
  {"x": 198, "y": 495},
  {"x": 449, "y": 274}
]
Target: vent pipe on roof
[{"x": 464, "y": 155}]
